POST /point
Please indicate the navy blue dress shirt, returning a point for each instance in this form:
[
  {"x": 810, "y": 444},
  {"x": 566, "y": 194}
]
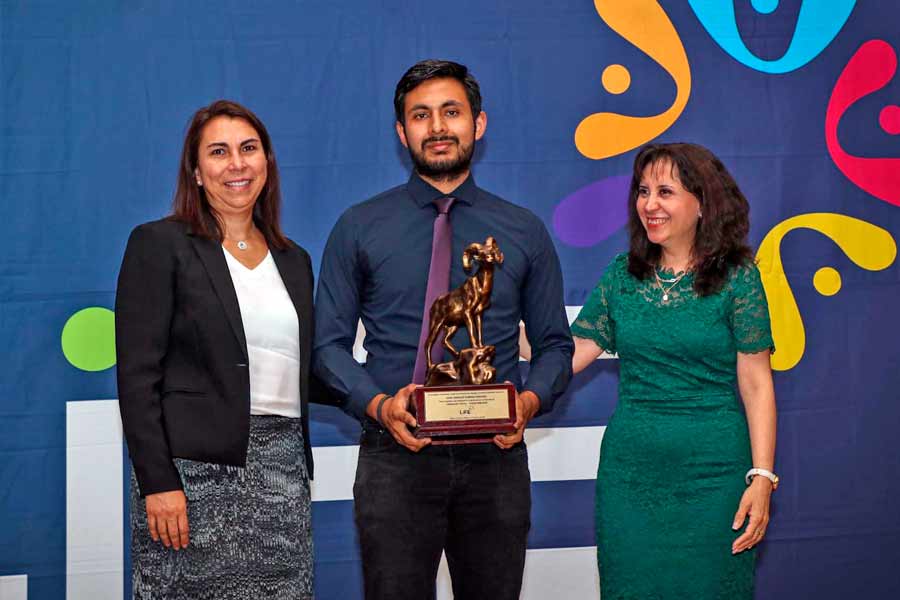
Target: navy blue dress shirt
[{"x": 375, "y": 268}]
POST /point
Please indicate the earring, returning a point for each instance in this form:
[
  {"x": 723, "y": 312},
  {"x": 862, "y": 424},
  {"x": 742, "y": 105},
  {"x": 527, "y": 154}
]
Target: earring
[
  {"x": 699, "y": 215},
  {"x": 199, "y": 183}
]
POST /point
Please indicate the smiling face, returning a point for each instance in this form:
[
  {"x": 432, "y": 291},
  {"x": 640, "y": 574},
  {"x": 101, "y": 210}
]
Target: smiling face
[
  {"x": 231, "y": 165},
  {"x": 439, "y": 128},
  {"x": 668, "y": 212}
]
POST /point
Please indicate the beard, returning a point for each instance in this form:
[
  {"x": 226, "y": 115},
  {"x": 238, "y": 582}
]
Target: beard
[{"x": 445, "y": 169}]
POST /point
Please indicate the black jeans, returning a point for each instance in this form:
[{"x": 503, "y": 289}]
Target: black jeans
[{"x": 472, "y": 501}]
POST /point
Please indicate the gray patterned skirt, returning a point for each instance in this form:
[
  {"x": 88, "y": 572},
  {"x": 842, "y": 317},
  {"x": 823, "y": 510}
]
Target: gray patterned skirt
[{"x": 250, "y": 535}]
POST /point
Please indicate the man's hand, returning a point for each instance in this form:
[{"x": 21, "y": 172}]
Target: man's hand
[
  {"x": 527, "y": 404},
  {"x": 396, "y": 418}
]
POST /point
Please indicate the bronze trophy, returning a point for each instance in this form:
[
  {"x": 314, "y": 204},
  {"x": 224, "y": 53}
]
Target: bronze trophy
[{"x": 460, "y": 402}]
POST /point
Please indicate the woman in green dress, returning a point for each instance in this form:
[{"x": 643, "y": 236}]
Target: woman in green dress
[{"x": 685, "y": 474}]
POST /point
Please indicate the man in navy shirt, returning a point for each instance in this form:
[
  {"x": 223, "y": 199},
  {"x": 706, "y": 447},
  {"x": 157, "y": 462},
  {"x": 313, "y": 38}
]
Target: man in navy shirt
[{"x": 414, "y": 500}]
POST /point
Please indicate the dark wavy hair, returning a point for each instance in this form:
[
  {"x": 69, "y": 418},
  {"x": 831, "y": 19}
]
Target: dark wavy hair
[
  {"x": 190, "y": 204},
  {"x": 425, "y": 70},
  {"x": 721, "y": 239}
]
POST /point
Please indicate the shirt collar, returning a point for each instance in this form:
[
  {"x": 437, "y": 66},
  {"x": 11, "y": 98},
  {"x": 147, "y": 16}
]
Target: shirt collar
[{"x": 423, "y": 193}]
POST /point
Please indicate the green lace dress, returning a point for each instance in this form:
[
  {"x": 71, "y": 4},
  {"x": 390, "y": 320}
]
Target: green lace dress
[{"x": 676, "y": 449}]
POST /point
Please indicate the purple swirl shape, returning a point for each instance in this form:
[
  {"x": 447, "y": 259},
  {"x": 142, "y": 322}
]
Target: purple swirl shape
[{"x": 593, "y": 213}]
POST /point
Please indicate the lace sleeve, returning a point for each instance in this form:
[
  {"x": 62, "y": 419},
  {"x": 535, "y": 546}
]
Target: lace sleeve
[
  {"x": 750, "y": 323},
  {"x": 594, "y": 321}
]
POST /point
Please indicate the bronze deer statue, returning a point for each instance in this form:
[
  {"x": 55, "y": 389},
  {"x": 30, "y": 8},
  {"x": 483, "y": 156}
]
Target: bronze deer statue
[{"x": 464, "y": 306}]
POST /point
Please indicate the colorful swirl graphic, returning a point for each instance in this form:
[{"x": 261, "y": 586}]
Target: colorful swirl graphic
[
  {"x": 869, "y": 69},
  {"x": 645, "y": 24},
  {"x": 591, "y": 214},
  {"x": 818, "y": 24},
  {"x": 868, "y": 246}
]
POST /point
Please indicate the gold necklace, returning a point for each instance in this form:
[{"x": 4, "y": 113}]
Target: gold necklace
[{"x": 674, "y": 282}]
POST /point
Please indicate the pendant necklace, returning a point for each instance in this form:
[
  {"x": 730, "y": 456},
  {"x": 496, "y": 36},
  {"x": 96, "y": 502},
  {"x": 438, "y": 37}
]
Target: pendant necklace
[
  {"x": 241, "y": 244},
  {"x": 674, "y": 282}
]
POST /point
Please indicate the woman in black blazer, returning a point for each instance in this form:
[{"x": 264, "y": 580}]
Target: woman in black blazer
[{"x": 213, "y": 340}]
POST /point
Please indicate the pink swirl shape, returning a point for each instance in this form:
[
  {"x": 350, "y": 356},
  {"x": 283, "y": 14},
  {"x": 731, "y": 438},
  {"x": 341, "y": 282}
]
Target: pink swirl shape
[
  {"x": 889, "y": 119},
  {"x": 869, "y": 70}
]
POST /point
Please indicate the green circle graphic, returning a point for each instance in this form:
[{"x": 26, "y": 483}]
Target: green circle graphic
[{"x": 89, "y": 339}]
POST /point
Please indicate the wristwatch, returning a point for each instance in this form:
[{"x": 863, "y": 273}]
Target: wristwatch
[{"x": 765, "y": 473}]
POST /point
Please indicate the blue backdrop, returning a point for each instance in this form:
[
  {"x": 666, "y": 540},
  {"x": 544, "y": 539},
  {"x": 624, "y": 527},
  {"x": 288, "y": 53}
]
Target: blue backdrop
[{"x": 799, "y": 99}]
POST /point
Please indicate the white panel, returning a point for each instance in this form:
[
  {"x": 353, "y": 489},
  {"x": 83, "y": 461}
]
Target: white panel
[
  {"x": 561, "y": 573},
  {"x": 14, "y": 587},
  {"x": 359, "y": 353},
  {"x": 444, "y": 585},
  {"x": 94, "y": 530},
  {"x": 554, "y": 454},
  {"x": 561, "y": 453},
  {"x": 572, "y": 313},
  {"x": 335, "y": 472}
]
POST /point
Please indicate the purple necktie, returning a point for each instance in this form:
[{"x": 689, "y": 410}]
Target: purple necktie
[{"x": 438, "y": 282}]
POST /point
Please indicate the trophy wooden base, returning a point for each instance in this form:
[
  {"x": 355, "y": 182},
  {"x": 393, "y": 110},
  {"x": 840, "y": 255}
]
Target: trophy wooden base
[{"x": 465, "y": 414}]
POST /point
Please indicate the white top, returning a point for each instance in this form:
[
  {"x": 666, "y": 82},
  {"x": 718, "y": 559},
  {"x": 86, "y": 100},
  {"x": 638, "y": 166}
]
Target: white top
[{"x": 273, "y": 337}]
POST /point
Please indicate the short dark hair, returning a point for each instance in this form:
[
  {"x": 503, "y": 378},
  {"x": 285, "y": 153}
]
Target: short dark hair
[
  {"x": 190, "y": 204},
  {"x": 424, "y": 70},
  {"x": 721, "y": 238}
]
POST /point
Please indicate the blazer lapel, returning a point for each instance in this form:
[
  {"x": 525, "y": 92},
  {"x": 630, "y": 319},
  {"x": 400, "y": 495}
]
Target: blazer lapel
[{"x": 213, "y": 260}]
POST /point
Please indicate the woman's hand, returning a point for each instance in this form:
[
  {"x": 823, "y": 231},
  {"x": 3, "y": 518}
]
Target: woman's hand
[
  {"x": 167, "y": 518},
  {"x": 754, "y": 375},
  {"x": 755, "y": 505}
]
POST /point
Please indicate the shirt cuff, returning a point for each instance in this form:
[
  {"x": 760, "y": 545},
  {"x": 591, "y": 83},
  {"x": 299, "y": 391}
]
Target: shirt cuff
[
  {"x": 163, "y": 479},
  {"x": 545, "y": 396},
  {"x": 359, "y": 399}
]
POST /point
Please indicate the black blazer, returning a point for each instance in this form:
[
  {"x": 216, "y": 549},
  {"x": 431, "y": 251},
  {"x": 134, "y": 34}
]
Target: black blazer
[{"x": 184, "y": 384}]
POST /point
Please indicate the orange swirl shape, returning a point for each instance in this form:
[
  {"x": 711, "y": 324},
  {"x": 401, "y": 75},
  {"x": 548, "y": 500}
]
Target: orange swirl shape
[
  {"x": 868, "y": 246},
  {"x": 645, "y": 24}
]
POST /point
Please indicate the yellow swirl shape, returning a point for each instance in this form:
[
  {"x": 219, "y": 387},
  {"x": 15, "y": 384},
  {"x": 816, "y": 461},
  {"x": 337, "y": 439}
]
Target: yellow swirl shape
[
  {"x": 867, "y": 245},
  {"x": 645, "y": 24}
]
